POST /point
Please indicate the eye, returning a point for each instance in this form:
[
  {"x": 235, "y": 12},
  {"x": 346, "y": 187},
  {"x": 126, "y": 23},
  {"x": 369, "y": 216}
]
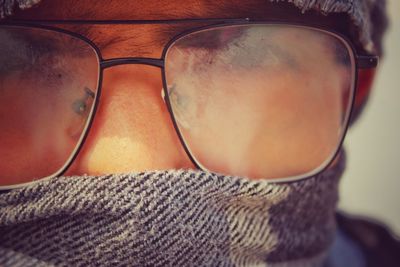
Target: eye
[
  {"x": 80, "y": 106},
  {"x": 178, "y": 99},
  {"x": 180, "y": 104}
]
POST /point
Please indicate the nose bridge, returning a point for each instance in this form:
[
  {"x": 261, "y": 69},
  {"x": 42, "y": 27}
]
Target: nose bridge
[
  {"x": 132, "y": 60},
  {"x": 131, "y": 130}
]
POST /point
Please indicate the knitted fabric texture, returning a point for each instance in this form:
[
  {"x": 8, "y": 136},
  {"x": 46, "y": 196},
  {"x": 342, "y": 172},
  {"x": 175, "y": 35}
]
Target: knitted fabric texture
[
  {"x": 7, "y": 6},
  {"x": 361, "y": 12},
  {"x": 169, "y": 218}
]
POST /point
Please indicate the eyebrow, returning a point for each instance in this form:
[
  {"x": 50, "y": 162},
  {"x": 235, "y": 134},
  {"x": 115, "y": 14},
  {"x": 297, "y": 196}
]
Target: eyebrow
[
  {"x": 188, "y": 20},
  {"x": 163, "y": 35}
]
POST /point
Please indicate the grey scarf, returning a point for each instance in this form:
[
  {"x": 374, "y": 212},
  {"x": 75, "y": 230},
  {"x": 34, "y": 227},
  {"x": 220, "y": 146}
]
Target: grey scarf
[{"x": 169, "y": 218}]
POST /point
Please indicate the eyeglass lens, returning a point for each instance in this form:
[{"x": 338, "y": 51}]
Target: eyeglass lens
[
  {"x": 263, "y": 101},
  {"x": 48, "y": 83}
]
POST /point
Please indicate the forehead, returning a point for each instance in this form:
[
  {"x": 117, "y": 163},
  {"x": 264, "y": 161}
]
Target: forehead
[
  {"x": 141, "y": 9},
  {"x": 166, "y": 9},
  {"x": 169, "y": 9}
]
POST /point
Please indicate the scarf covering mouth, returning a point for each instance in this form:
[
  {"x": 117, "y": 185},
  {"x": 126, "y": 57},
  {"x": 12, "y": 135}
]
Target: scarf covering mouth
[
  {"x": 169, "y": 218},
  {"x": 368, "y": 16}
]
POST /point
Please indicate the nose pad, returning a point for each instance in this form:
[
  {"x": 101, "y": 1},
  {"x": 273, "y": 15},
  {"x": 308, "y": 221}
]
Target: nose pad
[
  {"x": 163, "y": 94},
  {"x": 132, "y": 129}
]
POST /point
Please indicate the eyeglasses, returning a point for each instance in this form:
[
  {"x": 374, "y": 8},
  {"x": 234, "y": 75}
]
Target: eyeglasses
[{"x": 250, "y": 98}]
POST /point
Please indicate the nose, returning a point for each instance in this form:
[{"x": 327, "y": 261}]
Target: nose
[{"x": 132, "y": 129}]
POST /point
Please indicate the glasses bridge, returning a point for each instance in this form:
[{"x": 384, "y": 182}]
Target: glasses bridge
[{"x": 132, "y": 60}]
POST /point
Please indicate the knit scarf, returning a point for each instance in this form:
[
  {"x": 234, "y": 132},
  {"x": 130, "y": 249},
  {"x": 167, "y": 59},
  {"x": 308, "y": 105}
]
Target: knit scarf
[{"x": 169, "y": 218}]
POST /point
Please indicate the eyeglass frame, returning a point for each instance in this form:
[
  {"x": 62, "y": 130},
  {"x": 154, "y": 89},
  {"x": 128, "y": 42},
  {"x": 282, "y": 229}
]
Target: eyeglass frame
[{"x": 361, "y": 61}]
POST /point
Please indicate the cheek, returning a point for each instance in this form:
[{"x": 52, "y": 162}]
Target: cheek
[{"x": 250, "y": 125}]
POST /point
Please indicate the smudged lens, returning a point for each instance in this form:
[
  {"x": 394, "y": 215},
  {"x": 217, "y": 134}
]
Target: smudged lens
[
  {"x": 262, "y": 101},
  {"x": 48, "y": 83}
]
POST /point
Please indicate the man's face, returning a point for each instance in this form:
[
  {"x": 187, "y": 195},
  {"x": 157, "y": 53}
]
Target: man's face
[{"x": 132, "y": 129}]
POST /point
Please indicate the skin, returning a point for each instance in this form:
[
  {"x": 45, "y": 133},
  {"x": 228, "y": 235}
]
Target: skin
[{"x": 132, "y": 129}]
